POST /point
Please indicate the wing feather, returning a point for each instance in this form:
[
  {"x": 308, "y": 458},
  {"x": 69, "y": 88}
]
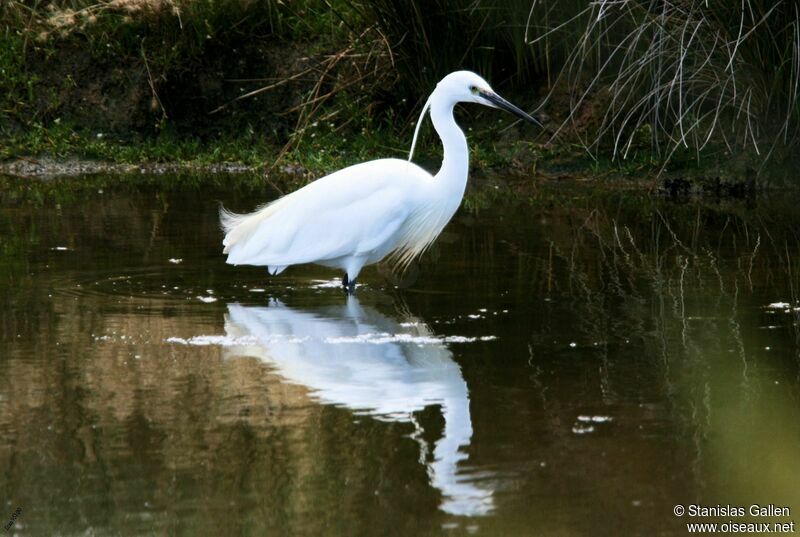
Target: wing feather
[{"x": 352, "y": 212}]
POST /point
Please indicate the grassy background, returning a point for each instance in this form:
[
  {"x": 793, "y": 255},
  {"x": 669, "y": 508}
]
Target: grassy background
[{"x": 637, "y": 84}]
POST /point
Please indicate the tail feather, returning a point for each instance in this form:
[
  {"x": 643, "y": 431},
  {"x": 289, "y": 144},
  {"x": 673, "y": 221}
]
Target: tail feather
[{"x": 239, "y": 227}]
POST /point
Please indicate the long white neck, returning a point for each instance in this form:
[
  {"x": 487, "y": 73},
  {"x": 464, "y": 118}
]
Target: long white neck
[{"x": 452, "y": 175}]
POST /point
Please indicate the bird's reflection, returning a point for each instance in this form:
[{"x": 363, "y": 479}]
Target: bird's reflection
[{"x": 354, "y": 357}]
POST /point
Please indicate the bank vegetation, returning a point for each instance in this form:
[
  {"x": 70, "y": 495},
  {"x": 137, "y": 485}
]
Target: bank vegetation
[{"x": 639, "y": 86}]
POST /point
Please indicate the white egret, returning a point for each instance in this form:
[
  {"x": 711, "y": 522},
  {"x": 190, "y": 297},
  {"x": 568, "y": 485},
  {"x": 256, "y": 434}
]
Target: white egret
[{"x": 361, "y": 214}]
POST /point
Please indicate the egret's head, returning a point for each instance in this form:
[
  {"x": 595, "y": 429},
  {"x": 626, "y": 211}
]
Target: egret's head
[{"x": 467, "y": 87}]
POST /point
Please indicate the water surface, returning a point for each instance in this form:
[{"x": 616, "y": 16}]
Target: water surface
[{"x": 564, "y": 361}]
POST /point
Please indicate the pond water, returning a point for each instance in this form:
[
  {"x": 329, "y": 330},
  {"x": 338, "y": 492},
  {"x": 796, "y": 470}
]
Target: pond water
[{"x": 564, "y": 361}]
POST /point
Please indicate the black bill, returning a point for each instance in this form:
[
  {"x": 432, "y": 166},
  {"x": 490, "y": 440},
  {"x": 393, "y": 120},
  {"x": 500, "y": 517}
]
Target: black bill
[{"x": 499, "y": 102}]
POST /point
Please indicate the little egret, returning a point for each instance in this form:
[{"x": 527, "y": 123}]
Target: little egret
[{"x": 366, "y": 212}]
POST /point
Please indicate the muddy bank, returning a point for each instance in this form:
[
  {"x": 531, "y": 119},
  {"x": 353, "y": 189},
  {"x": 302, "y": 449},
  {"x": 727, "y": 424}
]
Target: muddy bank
[
  {"x": 50, "y": 168},
  {"x": 512, "y": 178}
]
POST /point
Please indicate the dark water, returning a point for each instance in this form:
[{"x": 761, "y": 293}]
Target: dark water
[{"x": 567, "y": 362}]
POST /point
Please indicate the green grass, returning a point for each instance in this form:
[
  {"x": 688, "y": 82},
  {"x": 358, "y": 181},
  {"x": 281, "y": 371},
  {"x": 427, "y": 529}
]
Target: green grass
[
  {"x": 322, "y": 149},
  {"x": 59, "y": 141}
]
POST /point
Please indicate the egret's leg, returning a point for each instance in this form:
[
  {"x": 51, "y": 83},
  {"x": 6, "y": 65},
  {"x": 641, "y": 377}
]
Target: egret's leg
[
  {"x": 348, "y": 284},
  {"x": 352, "y": 268}
]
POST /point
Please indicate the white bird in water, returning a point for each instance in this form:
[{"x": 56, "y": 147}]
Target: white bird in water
[{"x": 361, "y": 214}]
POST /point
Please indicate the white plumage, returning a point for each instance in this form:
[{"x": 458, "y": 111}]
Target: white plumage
[{"x": 366, "y": 212}]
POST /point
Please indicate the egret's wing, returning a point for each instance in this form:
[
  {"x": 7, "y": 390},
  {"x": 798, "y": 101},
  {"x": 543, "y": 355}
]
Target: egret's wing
[
  {"x": 355, "y": 229},
  {"x": 324, "y": 225},
  {"x": 351, "y": 212}
]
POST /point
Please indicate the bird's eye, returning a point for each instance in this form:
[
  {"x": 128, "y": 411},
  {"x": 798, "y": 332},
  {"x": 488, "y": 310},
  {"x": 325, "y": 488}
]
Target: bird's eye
[{"x": 474, "y": 90}]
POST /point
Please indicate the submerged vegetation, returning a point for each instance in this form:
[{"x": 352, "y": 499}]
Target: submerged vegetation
[{"x": 630, "y": 86}]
